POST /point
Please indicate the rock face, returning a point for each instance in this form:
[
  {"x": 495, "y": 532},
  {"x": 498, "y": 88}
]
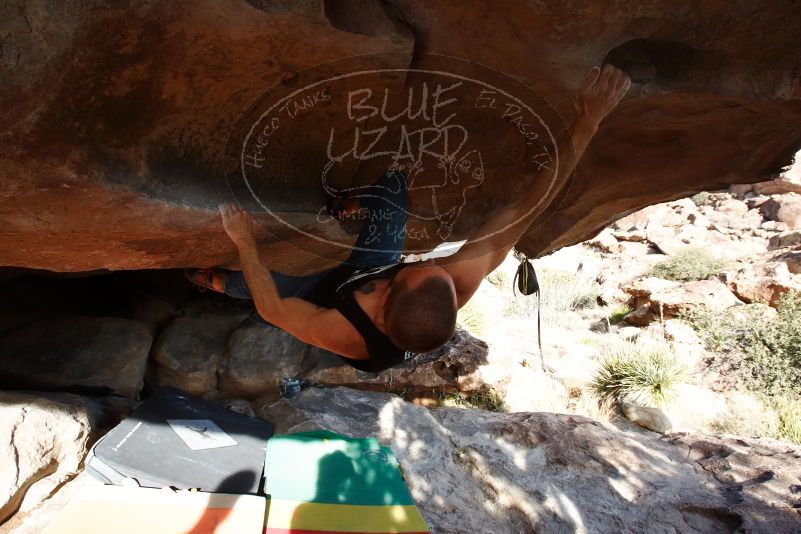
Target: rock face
[
  {"x": 100, "y": 355},
  {"x": 475, "y": 471},
  {"x": 256, "y": 359},
  {"x": 451, "y": 368},
  {"x": 258, "y": 356},
  {"x": 44, "y": 440},
  {"x": 189, "y": 350},
  {"x": 113, "y": 153},
  {"x": 657, "y": 298}
]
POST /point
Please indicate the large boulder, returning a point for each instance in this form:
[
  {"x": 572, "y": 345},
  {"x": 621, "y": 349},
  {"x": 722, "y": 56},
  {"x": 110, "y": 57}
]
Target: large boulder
[
  {"x": 453, "y": 367},
  {"x": 106, "y": 355},
  {"x": 117, "y": 117},
  {"x": 477, "y": 471},
  {"x": 257, "y": 356},
  {"x": 764, "y": 282},
  {"x": 658, "y": 298},
  {"x": 786, "y": 209},
  {"x": 46, "y": 439},
  {"x": 189, "y": 350}
]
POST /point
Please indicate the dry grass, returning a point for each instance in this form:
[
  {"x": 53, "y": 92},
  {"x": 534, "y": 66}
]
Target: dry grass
[
  {"x": 562, "y": 293},
  {"x": 473, "y": 317}
]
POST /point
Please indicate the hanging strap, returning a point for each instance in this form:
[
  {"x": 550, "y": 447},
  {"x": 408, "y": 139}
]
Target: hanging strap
[{"x": 526, "y": 281}]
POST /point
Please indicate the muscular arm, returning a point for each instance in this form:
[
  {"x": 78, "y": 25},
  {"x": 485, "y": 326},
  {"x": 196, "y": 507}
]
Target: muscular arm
[
  {"x": 311, "y": 324},
  {"x": 601, "y": 92}
]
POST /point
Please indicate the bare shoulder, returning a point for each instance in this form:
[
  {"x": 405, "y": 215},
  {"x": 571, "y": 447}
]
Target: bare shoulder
[{"x": 336, "y": 334}]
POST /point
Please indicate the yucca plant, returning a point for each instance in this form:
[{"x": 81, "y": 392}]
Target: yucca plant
[{"x": 643, "y": 374}]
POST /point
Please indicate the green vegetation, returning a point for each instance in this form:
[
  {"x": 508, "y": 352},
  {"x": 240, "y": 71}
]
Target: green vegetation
[
  {"x": 788, "y": 410},
  {"x": 489, "y": 400},
  {"x": 617, "y": 314},
  {"x": 764, "y": 352},
  {"x": 640, "y": 373},
  {"x": 691, "y": 264},
  {"x": 699, "y": 199}
]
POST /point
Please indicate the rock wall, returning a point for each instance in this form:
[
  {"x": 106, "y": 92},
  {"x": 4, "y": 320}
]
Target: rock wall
[
  {"x": 476, "y": 471},
  {"x": 116, "y": 117}
]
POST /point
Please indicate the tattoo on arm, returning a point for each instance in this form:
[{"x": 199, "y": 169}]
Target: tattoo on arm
[{"x": 367, "y": 288}]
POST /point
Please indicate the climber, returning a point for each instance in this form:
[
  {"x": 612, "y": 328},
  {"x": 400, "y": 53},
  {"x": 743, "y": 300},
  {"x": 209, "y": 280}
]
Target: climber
[{"x": 372, "y": 310}]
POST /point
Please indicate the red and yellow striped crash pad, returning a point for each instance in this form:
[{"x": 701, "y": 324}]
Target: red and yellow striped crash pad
[
  {"x": 130, "y": 510},
  {"x": 324, "y": 482}
]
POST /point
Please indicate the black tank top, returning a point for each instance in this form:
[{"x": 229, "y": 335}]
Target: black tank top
[{"x": 335, "y": 290}]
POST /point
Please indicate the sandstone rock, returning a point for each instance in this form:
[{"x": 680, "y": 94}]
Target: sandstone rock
[
  {"x": 647, "y": 417},
  {"x": 188, "y": 352},
  {"x": 605, "y": 242},
  {"x": 681, "y": 333},
  {"x": 477, "y": 471},
  {"x": 664, "y": 238},
  {"x": 763, "y": 282},
  {"x": 257, "y": 357},
  {"x": 785, "y": 239},
  {"x": 732, "y": 207},
  {"x": 698, "y": 220},
  {"x": 453, "y": 367},
  {"x": 668, "y": 299},
  {"x": 756, "y": 201},
  {"x": 101, "y": 184},
  {"x": 792, "y": 260},
  {"x": 634, "y": 235},
  {"x": 154, "y": 309},
  {"x": 640, "y": 218},
  {"x": 740, "y": 190},
  {"x": 634, "y": 249},
  {"x": 786, "y": 209},
  {"x": 685, "y": 207},
  {"x": 47, "y": 437},
  {"x": 97, "y": 354},
  {"x": 641, "y": 316},
  {"x": 788, "y": 181},
  {"x": 774, "y": 226}
]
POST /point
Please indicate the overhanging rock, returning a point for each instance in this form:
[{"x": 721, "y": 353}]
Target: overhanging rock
[{"x": 116, "y": 121}]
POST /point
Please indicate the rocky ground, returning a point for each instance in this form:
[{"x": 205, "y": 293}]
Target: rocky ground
[
  {"x": 603, "y": 293},
  {"x": 545, "y": 453}
]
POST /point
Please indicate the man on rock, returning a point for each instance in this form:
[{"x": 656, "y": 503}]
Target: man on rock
[{"x": 372, "y": 310}]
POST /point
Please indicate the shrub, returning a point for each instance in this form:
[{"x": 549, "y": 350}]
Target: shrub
[
  {"x": 643, "y": 374},
  {"x": 616, "y": 315},
  {"x": 788, "y": 410},
  {"x": 691, "y": 264},
  {"x": 490, "y": 400},
  {"x": 764, "y": 353},
  {"x": 585, "y": 401},
  {"x": 699, "y": 199}
]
